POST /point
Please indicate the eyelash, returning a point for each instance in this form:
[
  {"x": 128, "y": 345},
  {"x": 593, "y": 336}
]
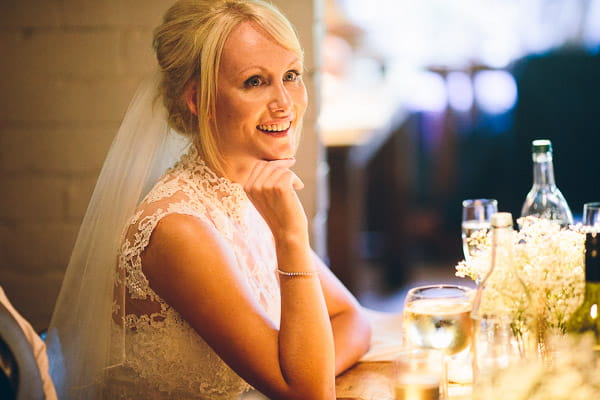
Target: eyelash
[
  {"x": 296, "y": 77},
  {"x": 249, "y": 82}
]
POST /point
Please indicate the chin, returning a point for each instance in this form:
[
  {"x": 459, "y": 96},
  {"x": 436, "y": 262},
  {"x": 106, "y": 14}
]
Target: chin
[
  {"x": 278, "y": 157},
  {"x": 287, "y": 151}
]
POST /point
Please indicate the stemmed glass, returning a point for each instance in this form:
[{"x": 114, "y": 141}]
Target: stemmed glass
[
  {"x": 476, "y": 216},
  {"x": 591, "y": 215},
  {"x": 438, "y": 317}
]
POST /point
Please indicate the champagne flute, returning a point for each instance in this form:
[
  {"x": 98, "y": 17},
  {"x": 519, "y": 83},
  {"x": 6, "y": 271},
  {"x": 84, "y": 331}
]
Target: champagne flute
[
  {"x": 476, "y": 216},
  {"x": 438, "y": 317},
  {"x": 591, "y": 216}
]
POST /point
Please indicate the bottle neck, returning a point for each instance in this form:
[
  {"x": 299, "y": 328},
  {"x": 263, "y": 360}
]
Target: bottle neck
[
  {"x": 502, "y": 249},
  {"x": 543, "y": 169}
]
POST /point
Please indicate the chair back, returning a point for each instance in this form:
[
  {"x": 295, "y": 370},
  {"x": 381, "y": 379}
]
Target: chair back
[{"x": 20, "y": 376}]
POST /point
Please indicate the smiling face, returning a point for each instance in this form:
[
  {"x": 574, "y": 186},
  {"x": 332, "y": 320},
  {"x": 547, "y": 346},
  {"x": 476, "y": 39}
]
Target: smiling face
[{"x": 260, "y": 99}]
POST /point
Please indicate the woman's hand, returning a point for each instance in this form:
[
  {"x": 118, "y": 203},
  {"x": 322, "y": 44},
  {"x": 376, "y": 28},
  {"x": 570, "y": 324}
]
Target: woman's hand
[{"x": 271, "y": 186}]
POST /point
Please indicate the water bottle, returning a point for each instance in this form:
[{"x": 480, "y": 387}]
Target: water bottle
[{"x": 545, "y": 200}]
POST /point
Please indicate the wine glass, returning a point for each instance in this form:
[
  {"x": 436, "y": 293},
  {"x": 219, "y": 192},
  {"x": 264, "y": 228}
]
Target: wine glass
[
  {"x": 438, "y": 317},
  {"x": 476, "y": 216},
  {"x": 591, "y": 215}
]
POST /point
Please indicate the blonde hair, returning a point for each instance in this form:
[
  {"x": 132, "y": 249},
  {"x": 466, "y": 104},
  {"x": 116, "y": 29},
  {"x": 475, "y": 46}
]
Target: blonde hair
[{"x": 188, "y": 46}]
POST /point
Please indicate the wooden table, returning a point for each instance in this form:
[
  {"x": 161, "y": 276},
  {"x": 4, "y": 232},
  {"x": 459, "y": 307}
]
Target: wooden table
[
  {"x": 373, "y": 377},
  {"x": 370, "y": 380},
  {"x": 373, "y": 380}
]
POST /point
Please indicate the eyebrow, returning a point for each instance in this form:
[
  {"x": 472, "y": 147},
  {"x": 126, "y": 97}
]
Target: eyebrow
[{"x": 243, "y": 71}]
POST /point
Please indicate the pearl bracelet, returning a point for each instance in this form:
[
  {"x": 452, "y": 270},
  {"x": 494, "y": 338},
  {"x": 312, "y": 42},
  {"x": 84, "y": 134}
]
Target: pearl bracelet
[{"x": 297, "y": 274}]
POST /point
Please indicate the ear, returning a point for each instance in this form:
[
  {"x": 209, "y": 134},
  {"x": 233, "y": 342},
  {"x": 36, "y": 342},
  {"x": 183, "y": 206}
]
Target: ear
[{"x": 190, "y": 94}]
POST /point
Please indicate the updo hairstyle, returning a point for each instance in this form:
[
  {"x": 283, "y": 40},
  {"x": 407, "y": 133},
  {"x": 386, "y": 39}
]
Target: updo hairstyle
[{"x": 188, "y": 46}]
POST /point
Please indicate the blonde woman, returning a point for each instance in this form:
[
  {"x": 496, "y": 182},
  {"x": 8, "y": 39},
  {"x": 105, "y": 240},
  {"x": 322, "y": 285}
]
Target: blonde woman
[{"x": 216, "y": 289}]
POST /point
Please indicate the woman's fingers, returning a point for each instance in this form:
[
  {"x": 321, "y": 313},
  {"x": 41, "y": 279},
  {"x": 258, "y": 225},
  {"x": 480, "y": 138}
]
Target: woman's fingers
[
  {"x": 297, "y": 183},
  {"x": 285, "y": 178},
  {"x": 271, "y": 186},
  {"x": 268, "y": 174}
]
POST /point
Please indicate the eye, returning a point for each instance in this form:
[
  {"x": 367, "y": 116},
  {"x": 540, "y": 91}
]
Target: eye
[
  {"x": 253, "y": 81},
  {"x": 291, "y": 76}
]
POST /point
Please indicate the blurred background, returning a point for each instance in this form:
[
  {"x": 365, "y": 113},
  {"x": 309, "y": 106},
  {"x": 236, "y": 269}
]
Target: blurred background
[
  {"x": 428, "y": 103},
  {"x": 415, "y": 106}
]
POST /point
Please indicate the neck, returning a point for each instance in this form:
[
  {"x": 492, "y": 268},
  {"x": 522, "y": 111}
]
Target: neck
[{"x": 237, "y": 169}]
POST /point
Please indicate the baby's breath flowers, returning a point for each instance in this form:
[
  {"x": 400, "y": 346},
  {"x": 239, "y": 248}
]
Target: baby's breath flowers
[
  {"x": 549, "y": 260},
  {"x": 573, "y": 374}
]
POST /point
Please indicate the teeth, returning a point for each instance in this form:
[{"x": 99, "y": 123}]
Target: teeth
[{"x": 275, "y": 128}]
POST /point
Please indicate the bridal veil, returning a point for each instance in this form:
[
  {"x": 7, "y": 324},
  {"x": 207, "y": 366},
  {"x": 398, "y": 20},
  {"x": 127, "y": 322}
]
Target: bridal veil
[{"x": 83, "y": 340}]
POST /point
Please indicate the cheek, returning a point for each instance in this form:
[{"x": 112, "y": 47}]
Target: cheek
[
  {"x": 228, "y": 114},
  {"x": 225, "y": 109},
  {"x": 238, "y": 105},
  {"x": 301, "y": 99}
]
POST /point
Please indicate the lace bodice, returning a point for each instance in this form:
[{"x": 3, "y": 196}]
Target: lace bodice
[{"x": 164, "y": 357}]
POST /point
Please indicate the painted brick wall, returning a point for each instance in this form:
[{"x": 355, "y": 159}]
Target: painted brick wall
[{"x": 68, "y": 69}]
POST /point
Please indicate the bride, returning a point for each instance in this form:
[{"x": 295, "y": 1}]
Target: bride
[{"x": 198, "y": 281}]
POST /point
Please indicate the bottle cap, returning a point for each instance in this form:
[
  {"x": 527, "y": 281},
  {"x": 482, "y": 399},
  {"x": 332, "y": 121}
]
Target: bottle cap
[
  {"x": 541, "y": 146},
  {"x": 502, "y": 220}
]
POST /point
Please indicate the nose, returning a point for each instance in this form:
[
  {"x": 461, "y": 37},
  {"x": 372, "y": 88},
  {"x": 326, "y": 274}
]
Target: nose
[{"x": 281, "y": 100}]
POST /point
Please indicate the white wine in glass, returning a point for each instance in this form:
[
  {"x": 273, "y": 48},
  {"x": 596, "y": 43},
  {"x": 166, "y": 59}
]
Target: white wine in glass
[
  {"x": 476, "y": 216},
  {"x": 442, "y": 324},
  {"x": 438, "y": 317}
]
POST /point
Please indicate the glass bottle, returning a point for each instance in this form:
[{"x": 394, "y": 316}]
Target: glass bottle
[
  {"x": 504, "y": 328},
  {"x": 585, "y": 318},
  {"x": 545, "y": 200}
]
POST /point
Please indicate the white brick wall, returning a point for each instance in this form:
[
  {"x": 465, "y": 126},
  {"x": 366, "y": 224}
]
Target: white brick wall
[
  {"x": 56, "y": 149},
  {"x": 29, "y": 13},
  {"x": 68, "y": 69}
]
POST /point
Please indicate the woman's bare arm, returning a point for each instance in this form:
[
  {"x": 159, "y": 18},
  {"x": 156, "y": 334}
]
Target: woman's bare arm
[
  {"x": 189, "y": 264},
  {"x": 351, "y": 329}
]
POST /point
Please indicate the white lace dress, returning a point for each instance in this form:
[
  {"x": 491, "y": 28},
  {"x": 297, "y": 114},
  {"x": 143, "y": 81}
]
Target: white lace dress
[{"x": 164, "y": 357}]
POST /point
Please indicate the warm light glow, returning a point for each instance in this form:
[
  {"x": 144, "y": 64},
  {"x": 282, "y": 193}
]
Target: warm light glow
[
  {"x": 594, "y": 311},
  {"x": 457, "y": 33},
  {"x": 495, "y": 91},
  {"x": 460, "y": 91},
  {"x": 428, "y": 93}
]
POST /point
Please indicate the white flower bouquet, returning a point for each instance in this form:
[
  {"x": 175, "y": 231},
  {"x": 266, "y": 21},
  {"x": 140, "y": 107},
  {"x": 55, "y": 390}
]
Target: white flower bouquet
[{"x": 550, "y": 262}]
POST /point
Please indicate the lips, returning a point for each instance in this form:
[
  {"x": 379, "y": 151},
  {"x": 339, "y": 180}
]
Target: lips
[{"x": 280, "y": 128}]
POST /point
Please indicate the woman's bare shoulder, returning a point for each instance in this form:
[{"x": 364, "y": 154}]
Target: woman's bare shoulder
[{"x": 184, "y": 233}]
